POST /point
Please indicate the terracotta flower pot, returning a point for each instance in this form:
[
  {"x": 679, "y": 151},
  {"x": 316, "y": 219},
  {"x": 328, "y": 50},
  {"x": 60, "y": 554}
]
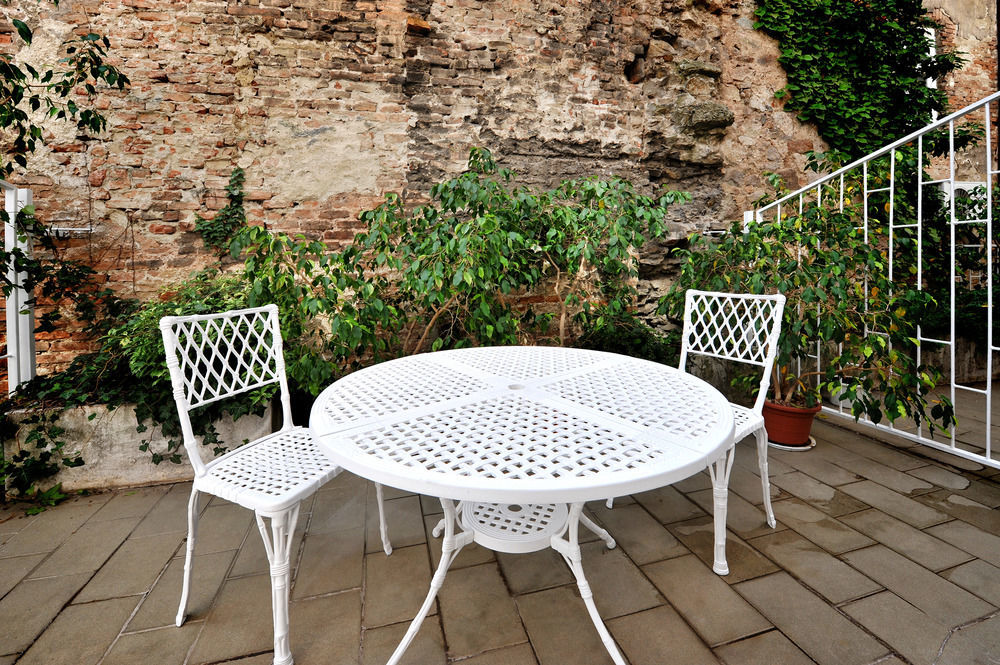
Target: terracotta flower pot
[{"x": 789, "y": 425}]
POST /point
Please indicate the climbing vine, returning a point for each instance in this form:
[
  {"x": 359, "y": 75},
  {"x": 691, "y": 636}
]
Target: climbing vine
[{"x": 858, "y": 69}]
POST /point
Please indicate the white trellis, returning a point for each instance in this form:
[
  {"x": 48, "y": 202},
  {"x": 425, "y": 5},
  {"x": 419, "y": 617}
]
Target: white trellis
[
  {"x": 965, "y": 178},
  {"x": 20, "y": 353}
]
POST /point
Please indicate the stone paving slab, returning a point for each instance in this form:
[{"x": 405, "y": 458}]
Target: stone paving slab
[
  {"x": 81, "y": 633},
  {"x": 928, "y": 551},
  {"x": 824, "y": 573},
  {"x": 935, "y": 596},
  {"x": 638, "y": 533},
  {"x": 698, "y": 535},
  {"x": 965, "y": 509},
  {"x": 477, "y": 597},
  {"x": 159, "y": 606},
  {"x": 893, "y": 503},
  {"x": 395, "y": 586},
  {"x": 817, "y": 494},
  {"x": 905, "y": 628},
  {"x": 975, "y": 541},
  {"x": 560, "y": 629},
  {"x": 132, "y": 569},
  {"x": 31, "y": 606},
  {"x": 675, "y": 641},
  {"x": 378, "y": 644},
  {"x": 768, "y": 648},
  {"x": 15, "y": 569},
  {"x": 878, "y": 550},
  {"x": 708, "y": 604},
  {"x": 979, "y": 578},
  {"x": 170, "y": 645},
  {"x": 812, "y": 625},
  {"x": 832, "y": 535}
]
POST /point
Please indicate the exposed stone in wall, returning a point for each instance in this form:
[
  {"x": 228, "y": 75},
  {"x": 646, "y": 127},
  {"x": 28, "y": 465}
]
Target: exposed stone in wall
[
  {"x": 329, "y": 105},
  {"x": 969, "y": 27}
]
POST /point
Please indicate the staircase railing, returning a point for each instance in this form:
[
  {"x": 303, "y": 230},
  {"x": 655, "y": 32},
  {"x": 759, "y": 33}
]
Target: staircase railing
[{"x": 944, "y": 203}]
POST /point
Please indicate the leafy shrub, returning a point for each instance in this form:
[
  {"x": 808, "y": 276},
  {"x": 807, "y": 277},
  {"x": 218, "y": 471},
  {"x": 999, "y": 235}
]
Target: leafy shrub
[
  {"x": 857, "y": 70},
  {"x": 453, "y": 272}
]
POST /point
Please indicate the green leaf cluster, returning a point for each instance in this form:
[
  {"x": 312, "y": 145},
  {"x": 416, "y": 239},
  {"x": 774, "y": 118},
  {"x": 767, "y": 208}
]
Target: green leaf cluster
[
  {"x": 483, "y": 261},
  {"x": 843, "y": 306},
  {"x": 857, "y": 69},
  {"x": 54, "y": 90},
  {"x": 218, "y": 231}
]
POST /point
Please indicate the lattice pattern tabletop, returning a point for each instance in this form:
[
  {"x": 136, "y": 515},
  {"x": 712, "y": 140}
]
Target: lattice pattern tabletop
[{"x": 522, "y": 424}]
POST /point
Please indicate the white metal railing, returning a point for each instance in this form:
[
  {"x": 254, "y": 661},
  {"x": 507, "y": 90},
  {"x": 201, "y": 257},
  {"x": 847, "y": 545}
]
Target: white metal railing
[
  {"x": 20, "y": 353},
  {"x": 968, "y": 231}
]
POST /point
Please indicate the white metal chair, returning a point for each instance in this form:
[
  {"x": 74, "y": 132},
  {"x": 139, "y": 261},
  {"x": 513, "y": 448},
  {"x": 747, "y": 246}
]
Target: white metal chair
[
  {"x": 215, "y": 356},
  {"x": 741, "y": 328}
]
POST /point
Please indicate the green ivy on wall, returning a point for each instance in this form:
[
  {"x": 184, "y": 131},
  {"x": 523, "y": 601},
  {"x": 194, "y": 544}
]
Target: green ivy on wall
[{"x": 857, "y": 69}]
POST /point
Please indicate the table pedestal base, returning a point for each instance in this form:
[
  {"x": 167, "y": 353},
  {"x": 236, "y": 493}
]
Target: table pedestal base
[
  {"x": 517, "y": 529},
  {"x": 522, "y": 528}
]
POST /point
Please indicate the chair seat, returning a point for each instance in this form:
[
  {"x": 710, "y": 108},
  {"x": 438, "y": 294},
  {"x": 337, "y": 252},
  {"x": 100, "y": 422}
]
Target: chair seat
[
  {"x": 746, "y": 421},
  {"x": 270, "y": 474}
]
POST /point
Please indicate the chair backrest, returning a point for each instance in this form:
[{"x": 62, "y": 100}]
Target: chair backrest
[
  {"x": 733, "y": 326},
  {"x": 215, "y": 356}
]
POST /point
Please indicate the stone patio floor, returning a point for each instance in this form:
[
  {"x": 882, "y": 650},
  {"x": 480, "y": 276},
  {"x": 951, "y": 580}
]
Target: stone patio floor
[{"x": 885, "y": 552}]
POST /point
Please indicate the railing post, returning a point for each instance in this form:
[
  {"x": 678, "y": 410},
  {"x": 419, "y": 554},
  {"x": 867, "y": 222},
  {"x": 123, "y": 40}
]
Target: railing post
[{"x": 20, "y": 311}]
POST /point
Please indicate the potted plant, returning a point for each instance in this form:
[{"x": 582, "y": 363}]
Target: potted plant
[{"x": 848, "y": 331}]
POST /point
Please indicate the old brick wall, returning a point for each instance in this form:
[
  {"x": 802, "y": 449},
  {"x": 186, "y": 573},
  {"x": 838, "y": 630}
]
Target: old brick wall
[
  {"x": 970, "y": 27},
  {"x": 328, "y": 104}
]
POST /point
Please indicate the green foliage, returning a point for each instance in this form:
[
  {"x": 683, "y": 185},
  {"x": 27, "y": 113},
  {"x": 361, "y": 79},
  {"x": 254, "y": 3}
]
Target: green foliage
[
  {"x": 456, "y": 271},
  {"x": 62, "y": 91},
  {"x": 65, "y": 91},
  {"x": 218, "y": 231},
  {"x": 24, "y": 90},
  {"x": 629, "y": 335},
  {"x": 453, "y": 272},
  {"x": 857, "y": 69},
  {"x": 841, "y": 304},
  {"x": 130, "y": 354}
]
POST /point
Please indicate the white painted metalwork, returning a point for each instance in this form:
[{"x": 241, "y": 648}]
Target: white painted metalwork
[
  {"x": 888, "y": 201},
  {"x": 215, "y": 356},
  {"x": 522, "y": 437},
  {"x": 20, "y": 305},
  {"x": 739, "y": 328}
]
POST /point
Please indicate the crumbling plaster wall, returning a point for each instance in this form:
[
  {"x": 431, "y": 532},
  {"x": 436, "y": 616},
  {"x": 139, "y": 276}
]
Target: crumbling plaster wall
[
  {"x": 329, "y": 104},
  {"x": 970, "y": 27}
]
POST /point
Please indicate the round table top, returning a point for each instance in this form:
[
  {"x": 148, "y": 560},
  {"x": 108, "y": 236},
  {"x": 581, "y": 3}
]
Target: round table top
[{"x": 522, "y": 424}]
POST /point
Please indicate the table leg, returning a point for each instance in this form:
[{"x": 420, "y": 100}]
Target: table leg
[
  {"x": 598, "y": 531},
  {"x": 719, "y": 470},
  {"x": 569, "y": 548},
  {"x": 451, "y": 545}
]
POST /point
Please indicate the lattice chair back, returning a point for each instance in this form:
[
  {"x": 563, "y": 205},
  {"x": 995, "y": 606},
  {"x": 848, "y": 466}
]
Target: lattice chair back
[
  {"x": 735, "y": 327},
  {"x": 212, "y": 357}
]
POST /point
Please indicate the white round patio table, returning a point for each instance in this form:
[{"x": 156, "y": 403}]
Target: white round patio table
[{"x": 521, "y": 437}]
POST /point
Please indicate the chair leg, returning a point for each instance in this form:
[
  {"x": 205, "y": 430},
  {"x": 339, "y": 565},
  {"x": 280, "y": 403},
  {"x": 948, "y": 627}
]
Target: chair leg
[
  {"x": 189, "y": 556},
  {"x": 761, "y": 435},
  {"x": 720, "y": 471},
  {"x": 382, "y": 529},
  {"x": 278, "y": 544}
]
